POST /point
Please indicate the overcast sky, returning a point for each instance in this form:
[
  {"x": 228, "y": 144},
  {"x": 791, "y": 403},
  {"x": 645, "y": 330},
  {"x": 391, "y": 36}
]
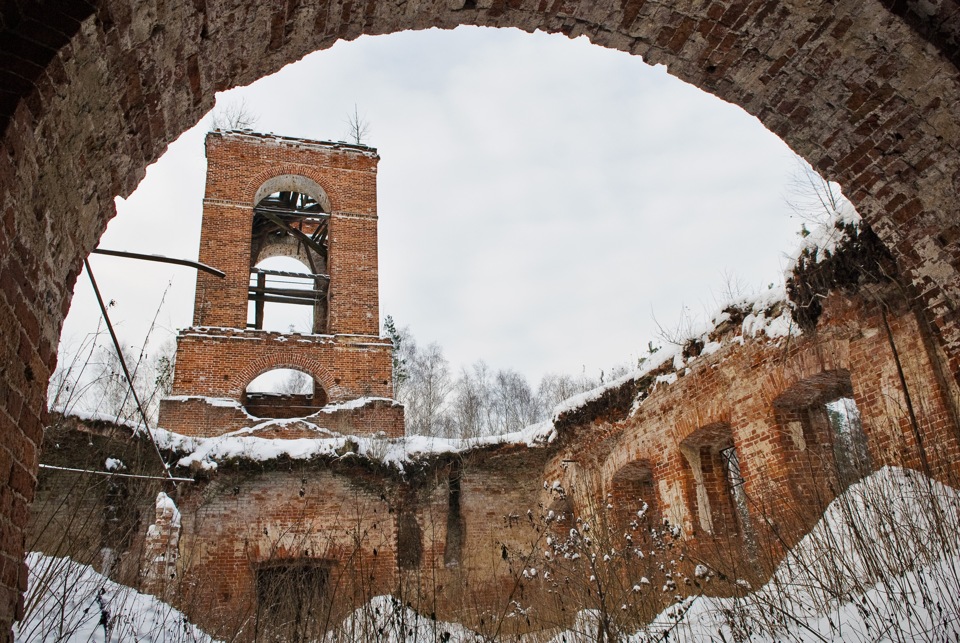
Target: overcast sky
[{"x": 541, "y": 199}]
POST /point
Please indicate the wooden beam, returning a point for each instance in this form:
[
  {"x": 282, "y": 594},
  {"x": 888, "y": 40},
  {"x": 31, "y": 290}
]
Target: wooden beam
[
  {"x": 258, "y": 305},
  {"x": 286, "y": 292},
  {"x": 283, "y": 225},
  {"x": 318, "y": 215},
  {"x": 277, "y": 299},
  {"x": 283, "y": 273}
]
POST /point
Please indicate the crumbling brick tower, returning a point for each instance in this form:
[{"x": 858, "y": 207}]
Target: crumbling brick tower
[{"x": 269, "y": 196}]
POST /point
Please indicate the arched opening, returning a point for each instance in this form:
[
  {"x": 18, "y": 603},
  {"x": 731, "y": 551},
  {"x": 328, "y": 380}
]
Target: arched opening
[
  {"x": 290, "y": 226},
  {"x": 718, "y": 497},
  {"x": 291, "y": 193},
  {"x": 825, "y": 446},
  {"x": 284, "y": 393}
]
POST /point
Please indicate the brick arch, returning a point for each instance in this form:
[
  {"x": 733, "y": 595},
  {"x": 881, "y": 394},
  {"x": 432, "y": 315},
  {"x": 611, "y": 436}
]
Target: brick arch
[
  {"x": 285, "y": 182},
  {"x": 869, "y": 95},
  {"x": 834, "y": 356},
  {"x": 242, "y": 378},
  {"x": 287, "y": 176}
]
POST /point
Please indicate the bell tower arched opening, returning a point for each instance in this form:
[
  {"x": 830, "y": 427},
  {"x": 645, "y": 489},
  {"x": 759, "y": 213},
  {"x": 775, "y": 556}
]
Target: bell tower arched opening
[{"x": 290, "y": 219}]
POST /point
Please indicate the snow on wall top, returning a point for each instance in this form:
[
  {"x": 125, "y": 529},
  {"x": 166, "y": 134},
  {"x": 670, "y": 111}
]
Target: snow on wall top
[
  {"x": 826, "y": 236},
  {"x": 206, "y": 453},
  {"x": 765, "y": 316},
  {"x": 295, "y": 142}
]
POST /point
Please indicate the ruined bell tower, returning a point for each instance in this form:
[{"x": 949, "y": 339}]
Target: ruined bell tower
[{"x": 271, "y": 196}]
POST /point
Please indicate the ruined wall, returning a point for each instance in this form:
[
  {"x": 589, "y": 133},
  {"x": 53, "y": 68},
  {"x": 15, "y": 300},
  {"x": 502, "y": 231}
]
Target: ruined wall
[
  {"x": 246, "y": 519},
  {"x": 509, "y": 538},
  {"x": 93, "y": 92},
  {"x": 93, "y": 518},
  {"x": 478, "y": 515},
  {"x": 378, "y": 532},
  {"x": 765, "y": 399}
]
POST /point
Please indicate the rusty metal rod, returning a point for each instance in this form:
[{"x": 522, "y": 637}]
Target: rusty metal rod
[
  {"x": 123, "y": 365},
  {"x": 160, "y": 258}
]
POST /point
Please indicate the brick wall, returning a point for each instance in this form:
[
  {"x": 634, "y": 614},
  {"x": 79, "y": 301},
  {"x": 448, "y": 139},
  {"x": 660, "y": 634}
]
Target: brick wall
[
  {"x": 222, "y": 362},
  {"x": 94, "y": 519},
  {"x": 245, "y": 518}
]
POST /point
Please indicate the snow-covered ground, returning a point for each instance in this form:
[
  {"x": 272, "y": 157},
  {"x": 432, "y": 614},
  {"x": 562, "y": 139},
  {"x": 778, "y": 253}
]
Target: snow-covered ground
[
  {"x": 883, "y": 564},
  {"x": 67, "y": 601},
  {"x": 387, "y": 620}
]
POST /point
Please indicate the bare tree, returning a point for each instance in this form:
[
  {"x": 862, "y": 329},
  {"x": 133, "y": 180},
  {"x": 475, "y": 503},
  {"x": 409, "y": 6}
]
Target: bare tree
[
  {"x": 358, "y": 127},
  {"x": 470, "y": 407},
  {"x": 479, "y": 401},
  {"x": 233, "y": 116},
  {"x": 428, "y": 387},
  {"x": 109, "y": 391},
  {"x": 514, "y": 405},
  {"x": 555, "y": 388},
  {"x": 295, "y": 383}
]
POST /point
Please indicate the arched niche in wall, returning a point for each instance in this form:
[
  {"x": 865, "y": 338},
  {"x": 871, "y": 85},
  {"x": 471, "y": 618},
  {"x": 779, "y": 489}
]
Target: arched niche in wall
[{"x": 632, "y": 496}]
